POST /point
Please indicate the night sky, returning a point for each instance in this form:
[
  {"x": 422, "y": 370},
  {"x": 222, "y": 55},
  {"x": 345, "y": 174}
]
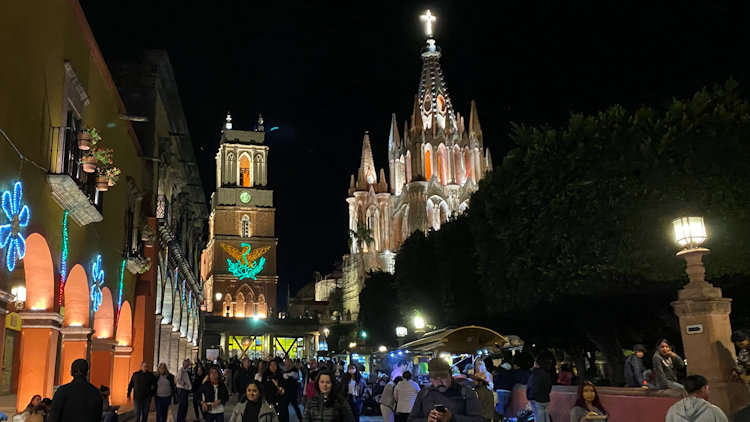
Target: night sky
[{"x": 324, "y": 75}]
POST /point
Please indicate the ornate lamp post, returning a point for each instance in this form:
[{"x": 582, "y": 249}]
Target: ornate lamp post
[{"x": 704, "y": 320}]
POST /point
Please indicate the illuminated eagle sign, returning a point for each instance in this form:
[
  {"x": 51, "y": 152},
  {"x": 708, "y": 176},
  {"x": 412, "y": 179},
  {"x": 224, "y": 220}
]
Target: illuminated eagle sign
[{"x": 248, "y": 264}]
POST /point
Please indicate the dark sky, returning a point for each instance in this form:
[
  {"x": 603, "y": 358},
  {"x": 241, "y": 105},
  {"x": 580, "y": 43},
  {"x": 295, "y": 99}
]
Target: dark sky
[{"x": 325, "y": 74}]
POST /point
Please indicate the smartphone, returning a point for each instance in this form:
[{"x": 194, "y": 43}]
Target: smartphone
[{"x": 440, "y": 408}]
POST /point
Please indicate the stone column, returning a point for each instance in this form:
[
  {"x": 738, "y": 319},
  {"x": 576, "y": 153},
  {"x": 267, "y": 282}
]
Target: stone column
[
  {"x": 102, "y": 360},
  {"x": 195, "y": 351},
  {"x": 5, "y": 299},
  {"x": 174, "y": 351},
  {"x": 165, "y": 335},
  {"x": 157, "y": 345},
  {"x": 38, "y": 354},
  {"x": 184, "y": 349},
  {"x": 120, "y": 375},
  {"x": 706, "y": 334},
  {"x": 75, "y": 345}
]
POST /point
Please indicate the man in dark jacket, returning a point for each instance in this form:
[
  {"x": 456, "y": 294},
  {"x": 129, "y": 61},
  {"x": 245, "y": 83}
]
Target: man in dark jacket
[
  {"x": 78, "y": 400},
  {"x": 143, "y": 386},
  {"x": 540, "y": 385},
  {"x": 634, "y": 368},
  {"x": 445, "y": 400},
  {"x": 243, "y": 375}
]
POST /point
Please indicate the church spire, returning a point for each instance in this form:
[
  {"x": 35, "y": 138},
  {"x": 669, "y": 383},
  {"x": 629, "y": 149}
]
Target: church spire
[
  {"x": 475, "y": 129},
  {"x": 434, "y": 101},
  {"x": 394, "y": 140},
  {"x": 228, "y": 123},
  {"x": 367, "y": 166}
]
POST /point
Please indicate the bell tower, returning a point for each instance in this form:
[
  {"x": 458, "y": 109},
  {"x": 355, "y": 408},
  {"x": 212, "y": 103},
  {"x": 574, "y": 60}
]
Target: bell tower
[{"x": 239, "y": 262}]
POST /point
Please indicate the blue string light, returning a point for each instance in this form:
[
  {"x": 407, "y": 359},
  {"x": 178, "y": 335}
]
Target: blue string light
[
  {"x": 63, "y": 257},
  {"x": 11, "y": 238},
  {"x": 119, "y": 295}
]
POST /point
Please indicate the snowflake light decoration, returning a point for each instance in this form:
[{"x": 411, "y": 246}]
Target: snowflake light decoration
[
  {"x": 97, "y": 281},
  {"x": 11, "y": 238}
]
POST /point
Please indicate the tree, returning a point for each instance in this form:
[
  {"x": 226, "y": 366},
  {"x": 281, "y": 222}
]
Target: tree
[
  {"x": 379, "y": 312},
  {"x": 362, "y": 236}
]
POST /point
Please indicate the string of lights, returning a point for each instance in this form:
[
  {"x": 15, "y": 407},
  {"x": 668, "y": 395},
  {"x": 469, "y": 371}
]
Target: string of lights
[{"x": 63, "y": 257}]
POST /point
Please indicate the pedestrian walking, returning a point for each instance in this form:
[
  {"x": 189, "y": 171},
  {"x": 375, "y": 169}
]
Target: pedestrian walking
[
  {"x": 504, "y": 382},
  {"x": 665, "y": 363},
  {"x": 253, "y": 407},
  {"x": 588, "y": 407},
  {"x": 291, "y": 386},
  {"x": 78, "y": 400},
  {"x": 634, "y": 368},
  {"x": 328, "y": 405},
  {"x": 198, "y": 379},
  {"x": 184, "y": 385},
  {"x": 166, "y": 391},
  {"x": 214, "y": 395},
  {"x": 540, "y": 385},
  {"x": 142, "y": 385},
  {"x": 388, "y": 400},
  {"x": 242, "y": 378},
  {"x": 354, "y": 387},
  {"x": 485, "y": 396},
  {"x": 695, "y": 407},
  {"x": 444, "y": 400},
  {"x": 273, "y": 387},
  {"x": 404, "y": 394}
]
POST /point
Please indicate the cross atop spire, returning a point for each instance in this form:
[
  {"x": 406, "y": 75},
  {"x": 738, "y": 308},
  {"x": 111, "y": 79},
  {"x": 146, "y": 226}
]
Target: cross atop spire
[{"x": 428, "y": 18}]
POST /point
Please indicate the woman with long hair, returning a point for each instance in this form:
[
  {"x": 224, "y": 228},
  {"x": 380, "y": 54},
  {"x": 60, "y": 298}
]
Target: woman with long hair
[
  {"x": 327, "y": 405},
  {"x": 214, "y": 395},
  {"x": 273, "y": 387},
  {"x": 354, "y": 387},
  {"x": 588, "y": 407},
  {"x": 34, "y": 402},
  {"x": 166, "y": 391},
  {"x": 253, "y": 407},
  {"x": 665, "y": 363}
]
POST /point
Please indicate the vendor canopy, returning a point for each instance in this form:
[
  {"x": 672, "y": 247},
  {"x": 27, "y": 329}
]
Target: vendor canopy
[{"x": 467, "y": 339}]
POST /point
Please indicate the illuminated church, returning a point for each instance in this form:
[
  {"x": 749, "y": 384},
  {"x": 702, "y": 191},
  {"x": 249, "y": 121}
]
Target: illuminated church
[{"x": 434, "y": 165}]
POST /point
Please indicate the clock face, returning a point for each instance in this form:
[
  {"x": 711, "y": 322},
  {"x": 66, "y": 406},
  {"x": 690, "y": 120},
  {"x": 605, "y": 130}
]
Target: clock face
[{"x": 245, "y": 197}]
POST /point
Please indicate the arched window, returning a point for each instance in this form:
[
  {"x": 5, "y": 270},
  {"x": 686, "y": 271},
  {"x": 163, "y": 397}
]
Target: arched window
[
  {"x": 228, "y": 311},
  {"x": 468, "y": 167},
  {"x": 239, "y": 306},
  {"x": 427, "y": 164},
  {"x": 245, "y": 229},
  {"x": 245, "y": 171},
  {"x": 260, "y": 176}
]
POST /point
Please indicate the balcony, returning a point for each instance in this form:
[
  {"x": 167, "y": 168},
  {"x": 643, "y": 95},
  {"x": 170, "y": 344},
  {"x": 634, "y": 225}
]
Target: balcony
[{"x": 71, "y": 187}]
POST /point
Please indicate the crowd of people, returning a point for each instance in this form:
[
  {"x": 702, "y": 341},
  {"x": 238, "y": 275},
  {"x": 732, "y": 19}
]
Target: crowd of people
[{"x": 334, "y": 391}]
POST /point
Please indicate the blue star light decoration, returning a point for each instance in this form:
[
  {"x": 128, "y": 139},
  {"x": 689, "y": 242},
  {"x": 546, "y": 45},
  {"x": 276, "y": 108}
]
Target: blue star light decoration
[
  {"x": 11, "y": 238},
  {"x": 97, "y": 282}
]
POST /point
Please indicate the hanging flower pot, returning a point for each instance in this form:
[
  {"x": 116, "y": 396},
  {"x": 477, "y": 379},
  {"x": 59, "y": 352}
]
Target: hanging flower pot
[
  {"x": 84, "y": 141},
  {"x": 101, "y": 183},
  {"x": 110, "y": 182},
  {"x": 89, "y": 163}
]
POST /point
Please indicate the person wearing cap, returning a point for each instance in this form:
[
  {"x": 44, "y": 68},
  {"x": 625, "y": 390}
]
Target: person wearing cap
[
  {"x": 695, "y": 407},
  {"x": 78, "y": 400},
  {"x": 634, "y": 368},
  {"x": 485, "y": 396},
  {"x": 742, "y": 342},
  {"x": 444, "y": 400}
]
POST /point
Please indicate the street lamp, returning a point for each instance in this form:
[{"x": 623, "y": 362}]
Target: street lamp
[
  {"x": 382, "y": 349},
  {"x": 352, "y": 345},
  {"x": 418, "y": 323},
  {"x": 326, "y": 331},
  {"x": 218, "y": 296},
  {"x": 690, "y": 233},
  {"x": 401, "y": 332},
  {"x": 19, "y": 296}
]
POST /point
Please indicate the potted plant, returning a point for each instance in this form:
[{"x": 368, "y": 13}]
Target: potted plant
[
  {"x": 95, "y": 155},
  {"x": 101, "y": 179},
  {"x": 88, "y": 138},
  {"x": 112, "y": 174},
  {"x": 138, "y": 265}
]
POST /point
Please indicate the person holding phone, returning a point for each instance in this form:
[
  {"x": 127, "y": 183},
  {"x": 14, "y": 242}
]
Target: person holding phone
[
  {"x": 214, "y": 395},
  {"x": 444, "y": 400}
]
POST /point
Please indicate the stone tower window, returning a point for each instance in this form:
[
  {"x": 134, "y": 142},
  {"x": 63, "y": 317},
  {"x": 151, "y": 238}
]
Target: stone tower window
[
  {"x": 245, "y": 171},
  {"x": 245, "y": 226}
]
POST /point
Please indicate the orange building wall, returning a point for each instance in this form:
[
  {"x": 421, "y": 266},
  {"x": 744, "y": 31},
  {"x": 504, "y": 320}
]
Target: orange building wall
[
  {"x": 71, "y": 350},
  {"x": 101, "y": 367}
]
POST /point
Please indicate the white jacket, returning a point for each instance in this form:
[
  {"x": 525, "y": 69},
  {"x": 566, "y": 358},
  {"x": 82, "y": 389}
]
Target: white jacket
[{"x": 693, "y": 409}]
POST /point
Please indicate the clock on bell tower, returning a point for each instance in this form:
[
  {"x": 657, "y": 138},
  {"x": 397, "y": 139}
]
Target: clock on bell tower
[{"x": 239, "y": 262}]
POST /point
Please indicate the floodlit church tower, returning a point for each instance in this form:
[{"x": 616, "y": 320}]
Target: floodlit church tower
[
  {"x": 239, "y": 262},
  {"x": 434, "y": 165}
]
